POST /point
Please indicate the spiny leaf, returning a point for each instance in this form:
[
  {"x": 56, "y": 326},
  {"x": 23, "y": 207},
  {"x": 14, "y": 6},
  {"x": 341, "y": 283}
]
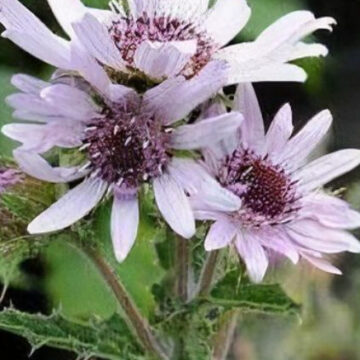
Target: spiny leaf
[
  {"x": 108, "y": 339},
  {"x": 267, "y": 298}
]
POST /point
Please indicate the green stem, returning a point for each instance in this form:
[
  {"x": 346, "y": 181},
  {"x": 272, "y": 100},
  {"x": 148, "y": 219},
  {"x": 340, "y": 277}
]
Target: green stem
[
  {"x": 135, "y": 320},
  {"x": 182, "y": 268},
  {"x": 225, "y": 336},
  {"x": 207, "y": 273}
]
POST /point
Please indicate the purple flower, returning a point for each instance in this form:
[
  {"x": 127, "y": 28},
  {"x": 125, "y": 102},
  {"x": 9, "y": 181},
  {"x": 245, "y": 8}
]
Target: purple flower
[
  {"x": 163, "y": 38},
  {"x": 126, "y": 140},
  {"x": 284, "y": 208},
  {"x": 8, "y": 177}
]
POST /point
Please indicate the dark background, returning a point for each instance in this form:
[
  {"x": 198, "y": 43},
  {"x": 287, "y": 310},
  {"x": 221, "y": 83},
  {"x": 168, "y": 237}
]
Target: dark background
[{"x": 334, "y": 83}]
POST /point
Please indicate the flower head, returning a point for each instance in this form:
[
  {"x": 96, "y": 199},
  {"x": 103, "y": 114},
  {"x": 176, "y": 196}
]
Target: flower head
[
  {"x": 162, "y": 38},
  {"x": 124, "y": 140},
  {"x": 284, "y": 209}
]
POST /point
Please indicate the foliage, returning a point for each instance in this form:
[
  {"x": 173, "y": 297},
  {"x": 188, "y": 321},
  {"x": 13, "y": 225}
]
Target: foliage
[{"x": 108, "y": 339}]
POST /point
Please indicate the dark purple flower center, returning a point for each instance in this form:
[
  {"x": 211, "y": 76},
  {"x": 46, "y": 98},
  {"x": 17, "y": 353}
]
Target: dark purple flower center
[
  {"x": 126, "y": 149},
  {"x": 128, "y": 33},
  {"x": 267, "y": 191}
]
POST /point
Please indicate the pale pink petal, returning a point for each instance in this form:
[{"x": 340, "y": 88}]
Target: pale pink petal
[
  {"x": 253, "y": 255},
  {"x": 311, "y": 234},
  {"x": 31, "y": 104},
  {"x": 28, "y": 32},
  {"x": 69, "y": 11},
  {"x": 252, "y": 129},
  {"x": 226, "y": 19},
  {"x": 174, "y": 205},
  {"x": 28, "y": 84},
  {"x": 276, "y": 239},
  {"x": 97, "y": 40},
  {"x": 72, "y": 207},
  {"x": 330, "y": 211},
  {"x": 279, "y": 132},
  {"x": 327, "y": 168},
  {"x": 34, "y": 165},
  {"x": 70, "y": 101},
  {"x": 265, "y": 58},
  {"x": 300, "y": 146},
  {"x": 322, "y": 264},
  {"x": 89, "y": 68},
  {"x": 41, "y": 138},
  {"x": 177, "y": 97},
  {"x": 206, "y": 133},
  {"x": 197, "y": 182},
  {"x": 124, "y": 225},
  {"x": 221, "y": 234},
  {"x": 161, "y": 60}
]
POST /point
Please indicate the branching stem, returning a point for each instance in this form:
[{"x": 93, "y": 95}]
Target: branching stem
[
  {"x": 182, "y": 268},
  {"x": 135, "y": 319},
  {"x": 225, "y": 337},
  {"x": 207, "y": 273}
]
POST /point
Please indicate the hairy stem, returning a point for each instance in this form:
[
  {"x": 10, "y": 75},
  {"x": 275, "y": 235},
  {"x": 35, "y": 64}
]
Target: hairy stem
[
  {"x": 207, "y": 273},
  {"x": 182, "y": 268},
  {"x": 225, "y": 336},
  {"x": 135, "y": 320}
]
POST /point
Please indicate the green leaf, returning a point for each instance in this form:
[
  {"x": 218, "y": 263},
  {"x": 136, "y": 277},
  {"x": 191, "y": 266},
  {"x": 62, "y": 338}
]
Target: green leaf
[
  {"x": 75, "y": 285},
  {"x": 268, "y": 298},
  {"x": 100, "y": 4},
  {"x": 106, "y": 339},
  {"x": 141, "y": 270}
]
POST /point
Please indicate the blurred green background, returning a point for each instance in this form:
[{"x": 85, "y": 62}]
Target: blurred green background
[{"x": 329, "y": 329}]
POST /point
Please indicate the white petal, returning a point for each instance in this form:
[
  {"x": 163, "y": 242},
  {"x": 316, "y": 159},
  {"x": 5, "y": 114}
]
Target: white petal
[
  {"x": 252, "y": 129},
  {"x": 70, "y": 101},
  {"x": 207, "y": 132},
  {"x": 245, "y": 68},
  {"x": 220, "y": 235},
  {"x": 303, "y": 50},
  {"x": 73, "y": 206},
  {"x": 282, "y": 37},
  {"x": 69, "y": 11},
  {"x": 185, "y": 9},
  {"x": 322, "y": 264},
  {"x": 301, "y": 145},
  {"x": 28, "y": 32},
  {"x": 313, "y": 235},
  {"x": 34, "y": 165},
  {"x": 265, "y": 58},
  {"x": 197, "y": 182},
  {"x": 96, "y": 39},
  {"x": 162, "y": 60},
  {"x": 28, "y": 84},
  {"x": 226, "y": 19},
  {"x": 174, "y": 205},
  {"x": 330, "y": 211},
  {"x": 279, "y": 132},
  {"x": 327, "y": 168},
  {"x": 253, "y": 255},
  {"x": 124, "y": 225},
  {"x": 175, "y": 98}
]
